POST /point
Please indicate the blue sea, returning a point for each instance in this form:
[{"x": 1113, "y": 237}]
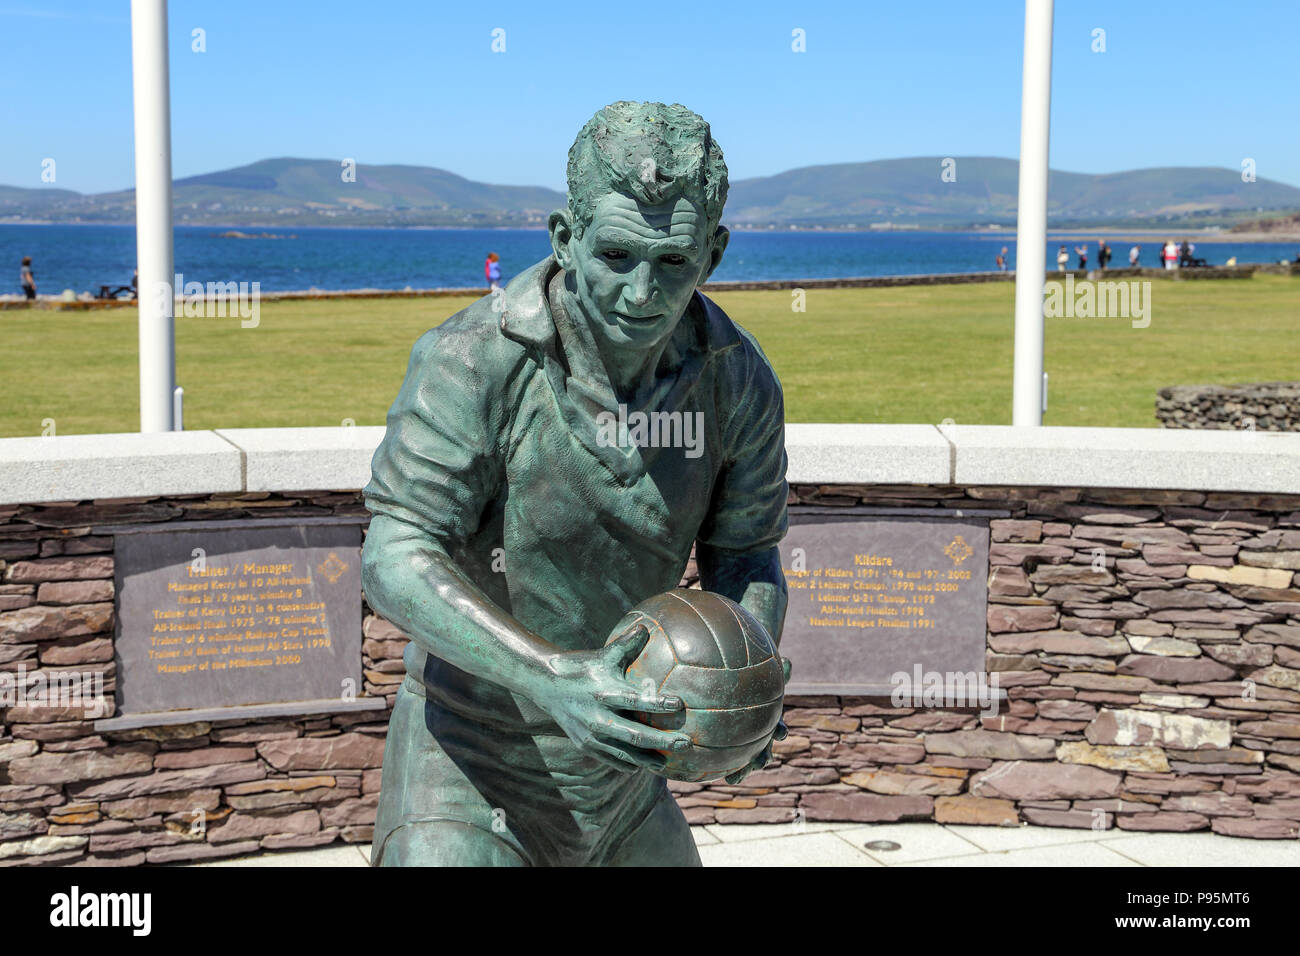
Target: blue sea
[{"x": 82, "y": 257}]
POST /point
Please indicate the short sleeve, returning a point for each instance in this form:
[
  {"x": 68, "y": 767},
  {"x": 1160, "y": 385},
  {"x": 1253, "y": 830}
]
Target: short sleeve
[
  {"x": 748, "y": 511},
  {"x": 437, "y": 466}
]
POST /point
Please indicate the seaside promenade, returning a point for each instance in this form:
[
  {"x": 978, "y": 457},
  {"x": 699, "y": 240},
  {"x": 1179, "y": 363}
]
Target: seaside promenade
[{"x": 1240, "y": 271}]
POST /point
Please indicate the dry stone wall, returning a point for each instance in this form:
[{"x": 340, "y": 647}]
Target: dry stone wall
[
  {"x": 1148, "y": 643},
  {"x": 1266, "y": 407}
]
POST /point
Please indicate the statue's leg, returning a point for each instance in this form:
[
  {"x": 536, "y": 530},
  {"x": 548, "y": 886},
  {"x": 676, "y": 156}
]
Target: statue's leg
[
  {"x": 430, "y": 812},
  {"x": 662, "y": 839}
]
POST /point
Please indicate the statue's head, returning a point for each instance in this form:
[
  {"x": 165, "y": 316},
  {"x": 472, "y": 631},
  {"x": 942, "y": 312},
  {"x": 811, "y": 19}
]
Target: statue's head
[{"x": 647, "y": 184}]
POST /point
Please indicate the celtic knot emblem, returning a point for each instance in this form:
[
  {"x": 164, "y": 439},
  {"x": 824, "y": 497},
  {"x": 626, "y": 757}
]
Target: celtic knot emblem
[
  {"x": 958, "y": 550},
  {"x": 332, "y": 567}
]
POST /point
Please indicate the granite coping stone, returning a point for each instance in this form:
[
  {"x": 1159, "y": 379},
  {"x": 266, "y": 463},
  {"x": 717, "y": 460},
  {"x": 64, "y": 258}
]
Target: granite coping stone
[
  {"x": 305, "y": 459},
  {"x": 866, "y": 454},
  {"x": 1186, "y": 459},
  {"x": 82, "y": 467}
]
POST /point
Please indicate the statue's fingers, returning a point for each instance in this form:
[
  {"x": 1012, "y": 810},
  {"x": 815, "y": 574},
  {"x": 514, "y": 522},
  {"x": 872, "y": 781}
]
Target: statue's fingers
[
  {"x": 626, "y": 759},
  {"x": 642, "y": 737},
  {"x": 627, "y": 646},
  {"x": 739, "y": 775},
  {"x": 636, "y": 700}
]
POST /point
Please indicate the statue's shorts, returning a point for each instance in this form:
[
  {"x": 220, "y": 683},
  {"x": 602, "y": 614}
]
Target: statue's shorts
[{"x": 459, "y": 792}]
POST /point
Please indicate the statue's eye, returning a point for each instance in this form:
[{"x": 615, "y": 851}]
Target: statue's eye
[
  {"x": 672, "y": 259},
  {"x": 614, "y": 254}
]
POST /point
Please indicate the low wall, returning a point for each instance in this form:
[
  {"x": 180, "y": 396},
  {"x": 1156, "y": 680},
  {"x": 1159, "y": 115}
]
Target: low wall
[
  {"x": 1266, "y": 406},
  {"x": 1143, "y": 621},
  {"x": 1244, "y": 271},
  {"x": 1279, "y": 268}
]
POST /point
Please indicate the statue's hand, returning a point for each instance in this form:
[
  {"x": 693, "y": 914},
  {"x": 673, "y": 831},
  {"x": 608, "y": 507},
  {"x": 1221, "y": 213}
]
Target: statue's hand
[
  {"x": 765, "y": 757},
  {"x": 587, "y": 689}
]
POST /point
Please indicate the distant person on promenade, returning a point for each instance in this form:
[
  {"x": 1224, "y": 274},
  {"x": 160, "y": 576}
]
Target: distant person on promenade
[
  {"x": 1171, "y": 255},
  {"x": 1133, "y": 255},
  {"x": 28, "y": 278},
  {"x": 1103, "y": 254},
  {"x": 1001, "y": 260},
  {"x": 492, "y": 271},
  {"x": 1062, "y": 260},
  {"x": 1082, "y": 253},
  {"x": 1184, "y": 254}
]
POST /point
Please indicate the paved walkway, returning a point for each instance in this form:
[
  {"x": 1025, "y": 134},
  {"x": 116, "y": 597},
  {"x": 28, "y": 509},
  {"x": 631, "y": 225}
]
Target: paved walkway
[{"x": 919, "y": 844}]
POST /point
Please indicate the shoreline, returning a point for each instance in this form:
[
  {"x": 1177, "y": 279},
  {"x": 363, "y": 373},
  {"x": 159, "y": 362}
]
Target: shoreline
[
  {"x": 1072, "y": 233},
  {"x": 1241, "y": 271}
]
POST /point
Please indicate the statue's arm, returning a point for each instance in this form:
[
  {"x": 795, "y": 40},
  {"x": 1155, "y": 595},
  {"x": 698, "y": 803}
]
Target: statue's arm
[
  {"x": 412, "y": 582},
  {"x": 752, "y": 579}
]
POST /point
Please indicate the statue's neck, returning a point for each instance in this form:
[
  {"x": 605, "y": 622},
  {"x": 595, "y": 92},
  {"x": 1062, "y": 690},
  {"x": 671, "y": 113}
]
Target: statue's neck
[{"x": 629, "y": 373}]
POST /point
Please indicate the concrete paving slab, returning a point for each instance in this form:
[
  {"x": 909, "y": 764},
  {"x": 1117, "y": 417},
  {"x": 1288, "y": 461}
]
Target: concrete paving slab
[
  {"x": 812, "y": 849},
  {"x": 921, "y": 844},
  {"x": 925, "y": 841},
  {"x": 1000, "y": 839},
  {"x": 1204, "y": 849},
  {"x": 736, "y": 832},
  {"x": 703, "y": 837}
]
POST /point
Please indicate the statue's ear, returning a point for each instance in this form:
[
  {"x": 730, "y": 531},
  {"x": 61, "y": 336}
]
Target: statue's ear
[
  {"x": 720, "y": 239},
  {"x": 560, "y": 226}
]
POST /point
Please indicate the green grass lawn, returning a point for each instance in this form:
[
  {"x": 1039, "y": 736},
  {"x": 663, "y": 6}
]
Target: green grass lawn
[{"x": 907, "y": 354}]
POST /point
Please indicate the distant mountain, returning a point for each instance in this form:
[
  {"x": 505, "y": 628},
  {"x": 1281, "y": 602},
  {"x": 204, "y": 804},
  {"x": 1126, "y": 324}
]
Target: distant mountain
[
  {"x": 912, "y": 192},
  {"x": 304, "y": 192},
  {"x": 884, "y": 193}
]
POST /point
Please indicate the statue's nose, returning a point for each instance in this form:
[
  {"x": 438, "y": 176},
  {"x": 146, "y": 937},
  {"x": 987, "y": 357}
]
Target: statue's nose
[{"x": 641, "y": 287}]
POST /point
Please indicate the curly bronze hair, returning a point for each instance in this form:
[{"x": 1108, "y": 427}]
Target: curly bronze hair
[{"x": 649, "y": 151}]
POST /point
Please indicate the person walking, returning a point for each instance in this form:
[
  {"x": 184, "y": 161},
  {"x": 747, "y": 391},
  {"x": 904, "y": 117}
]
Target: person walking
[
  {"x": 1103, "y": 254},
  {"x": 28, "y": 278},
  {"x": 1062, "y": 260},
  {"x": 1001, "y": 260},
  {"x": 1082, "y": 253},
  {"x": 492, "y": 271},
  {"x": 1133, "y": 255},
  {"x": 1171, "y": 255}
]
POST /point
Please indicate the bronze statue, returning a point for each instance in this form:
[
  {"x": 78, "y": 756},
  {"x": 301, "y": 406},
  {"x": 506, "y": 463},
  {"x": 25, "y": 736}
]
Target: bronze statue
[{"x": 554, "y": 452}]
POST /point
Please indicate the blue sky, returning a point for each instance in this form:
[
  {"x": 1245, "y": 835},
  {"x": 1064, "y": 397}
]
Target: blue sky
[{"x": 1193, "y": 83}]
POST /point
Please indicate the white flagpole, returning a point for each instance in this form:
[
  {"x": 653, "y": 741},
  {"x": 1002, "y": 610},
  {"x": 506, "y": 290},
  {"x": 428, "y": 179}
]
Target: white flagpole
[
  {"x": 153, "y": 212},
  {"x": 1028, "y": 391}
]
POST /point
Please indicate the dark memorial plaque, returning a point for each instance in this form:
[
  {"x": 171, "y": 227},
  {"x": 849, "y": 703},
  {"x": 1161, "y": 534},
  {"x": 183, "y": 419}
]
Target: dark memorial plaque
[
  {"x": 872, "y": 595},
  {"x": 222, "y": 617}
]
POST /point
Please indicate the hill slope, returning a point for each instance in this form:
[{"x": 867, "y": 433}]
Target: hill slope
[
  {"x": 291, "y": 191},
  {"x": 909, "y": 192}
]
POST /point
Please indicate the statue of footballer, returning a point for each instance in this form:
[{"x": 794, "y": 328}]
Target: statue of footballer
[{"x": 510, "y": 535}]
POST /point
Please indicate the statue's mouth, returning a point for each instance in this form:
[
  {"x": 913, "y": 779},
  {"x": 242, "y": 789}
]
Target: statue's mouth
[{"x": 639, "y": 319}]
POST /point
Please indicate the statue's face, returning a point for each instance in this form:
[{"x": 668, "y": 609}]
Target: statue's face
[{"x": 636, "y": 267}]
